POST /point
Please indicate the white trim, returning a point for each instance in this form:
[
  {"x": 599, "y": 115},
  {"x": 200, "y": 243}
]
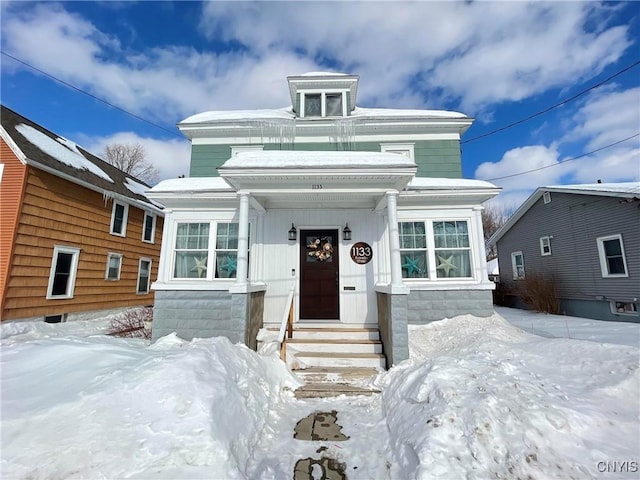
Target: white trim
[
  {"x": 545, "y": 242},
  {"x": 22, "y": 158},
  {"x": 399, "y": 148},
  {"x": 125, "y": 217},
  {"x": 301, "y": 139},
  {"x": 153, "y": 227},
  {"x": 514, "y": 266},
  {"x": 236, "y": 149},
  {"x": 71, "y": 282},
  {"x": 546, "y": 197},
  {"x": 143, "y": 259},
  {"x": 604, "y": 267},
  {"x": 111, "y": 255}
]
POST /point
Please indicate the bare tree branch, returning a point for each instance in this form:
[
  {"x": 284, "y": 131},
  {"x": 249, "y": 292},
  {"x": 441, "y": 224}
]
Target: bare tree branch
[
  {"x": 492, "y": 219},
  {"x": 132, "y": 159}
]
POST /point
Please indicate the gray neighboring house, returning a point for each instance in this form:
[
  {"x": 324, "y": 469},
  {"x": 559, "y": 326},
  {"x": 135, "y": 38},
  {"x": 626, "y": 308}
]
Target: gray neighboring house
[{"x": 587, "y": 237}]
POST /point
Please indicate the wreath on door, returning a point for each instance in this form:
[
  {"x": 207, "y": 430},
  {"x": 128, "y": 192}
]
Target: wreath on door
[{"x": 320, "y": 248}]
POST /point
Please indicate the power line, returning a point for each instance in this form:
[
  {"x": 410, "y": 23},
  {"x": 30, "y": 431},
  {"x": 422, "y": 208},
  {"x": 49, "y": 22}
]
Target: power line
[
  {"x": 91, "y": 95},
  {"x": 563, "y": 102},
  {"x": 565, "y": 161}
]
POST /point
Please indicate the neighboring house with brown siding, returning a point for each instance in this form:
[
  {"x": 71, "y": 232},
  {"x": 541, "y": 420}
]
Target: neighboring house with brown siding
[{"x": 78, "y": 237}]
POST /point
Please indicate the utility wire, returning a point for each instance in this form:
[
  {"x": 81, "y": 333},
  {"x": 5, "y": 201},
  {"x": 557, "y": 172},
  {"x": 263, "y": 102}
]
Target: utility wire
[
  {"x": 91, "y": 95},
  {"x": 567, "y": 160},
  {"x": 559, "y": 104}
]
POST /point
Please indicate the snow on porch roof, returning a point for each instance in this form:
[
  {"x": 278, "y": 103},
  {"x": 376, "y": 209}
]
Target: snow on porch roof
[
  {"x": 308, "y": 159},
  {"x": 428, "y": 183}
]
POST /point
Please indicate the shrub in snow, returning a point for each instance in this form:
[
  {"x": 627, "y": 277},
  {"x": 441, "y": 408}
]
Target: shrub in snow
[
  {"x": 541, "y": 293},
  {"x": 133, "y": 323}
]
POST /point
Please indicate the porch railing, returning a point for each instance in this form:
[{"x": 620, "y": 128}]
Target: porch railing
[{"x": 286, "y": 326}]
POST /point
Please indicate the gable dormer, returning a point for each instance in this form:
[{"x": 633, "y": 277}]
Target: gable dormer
[{"x": 323, "y": 94}]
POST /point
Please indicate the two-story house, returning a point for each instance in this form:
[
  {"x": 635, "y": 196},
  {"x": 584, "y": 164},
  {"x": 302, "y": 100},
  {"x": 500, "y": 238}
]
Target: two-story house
[
  {"x": 358, "y": 215},
  {"x": 78, "y": 237}
]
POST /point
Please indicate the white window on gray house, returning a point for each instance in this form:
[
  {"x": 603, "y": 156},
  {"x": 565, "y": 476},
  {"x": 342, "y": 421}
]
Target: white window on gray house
[
  {"x": 413, "y": 250},
  {"x": 517, "y": 265},
  {"x": 119, "y": 215},
  {"x": 624, "y": 308},
  {"x": 148, "y": 228},
  {"x": 196, "y": 249},
  {"x": 613, "y": 263},
  {"x": 546, "y": 197},
  {"x": 114, "y": 264},
  {"x": 144, "y": 276},
  {"x": 62, "y": 276},
  {"x": 545, "y": 246}
]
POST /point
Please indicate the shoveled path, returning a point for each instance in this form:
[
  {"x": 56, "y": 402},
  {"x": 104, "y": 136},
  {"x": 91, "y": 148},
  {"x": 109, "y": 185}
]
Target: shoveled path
[{"x": 349, "y": 439}]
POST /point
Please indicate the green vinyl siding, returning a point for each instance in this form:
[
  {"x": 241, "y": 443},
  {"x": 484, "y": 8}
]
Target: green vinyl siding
[{"x": 434, "y": 158}]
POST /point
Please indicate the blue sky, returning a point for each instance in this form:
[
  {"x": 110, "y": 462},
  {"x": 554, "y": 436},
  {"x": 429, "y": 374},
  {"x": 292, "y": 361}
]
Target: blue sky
[{"x": 498, "y": 62}]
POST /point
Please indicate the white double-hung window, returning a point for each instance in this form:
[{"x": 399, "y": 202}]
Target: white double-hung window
[
  {"x": 613, "y": 262},
  {"x": 205, "y": 250},
  {"x": 435, "y": 249}
]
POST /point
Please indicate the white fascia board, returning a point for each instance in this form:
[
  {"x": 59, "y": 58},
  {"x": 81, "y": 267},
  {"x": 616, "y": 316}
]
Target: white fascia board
[
  {"x": 301, "y": 139},
  {"x": 13, "y": 146},
  {"x": 318, "y": 128},
  {"x": 471, "y": 197}
]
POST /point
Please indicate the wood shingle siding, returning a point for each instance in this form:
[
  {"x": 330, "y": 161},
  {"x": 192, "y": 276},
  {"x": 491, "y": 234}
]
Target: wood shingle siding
[
  {"x": 58, "y": 212},
  {"x": 11, "y": 189}
]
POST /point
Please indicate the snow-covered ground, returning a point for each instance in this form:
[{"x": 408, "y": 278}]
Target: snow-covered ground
[{"x": 479, "y": 398}]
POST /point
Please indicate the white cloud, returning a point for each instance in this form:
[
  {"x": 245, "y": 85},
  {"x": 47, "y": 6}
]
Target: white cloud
[
  {"x": 170, "y": 157},
  {"x": 405, "y": 52},
  {"x": 477, "y": 52}
]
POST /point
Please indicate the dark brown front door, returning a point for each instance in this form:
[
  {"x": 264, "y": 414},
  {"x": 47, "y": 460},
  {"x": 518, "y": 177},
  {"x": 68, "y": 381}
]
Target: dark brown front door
[{"x": 319, "y": 275}]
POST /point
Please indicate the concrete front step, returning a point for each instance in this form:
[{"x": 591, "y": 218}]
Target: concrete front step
[
  {"x": 333, "y": 345},
  {"x": 329, "y": 359},
  {"x": 341, "y": 334}
]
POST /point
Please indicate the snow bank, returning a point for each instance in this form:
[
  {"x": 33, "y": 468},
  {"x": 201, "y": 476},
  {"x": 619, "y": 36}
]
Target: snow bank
[
  {"x": 102, "y": 407},
  {"x": 479, "y": 398}
]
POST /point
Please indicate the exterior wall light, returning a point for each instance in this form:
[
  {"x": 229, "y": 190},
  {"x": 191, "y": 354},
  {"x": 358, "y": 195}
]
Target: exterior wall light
[
  {"x": 346, "y": 232},
  {"x": 293, "y": 233}
]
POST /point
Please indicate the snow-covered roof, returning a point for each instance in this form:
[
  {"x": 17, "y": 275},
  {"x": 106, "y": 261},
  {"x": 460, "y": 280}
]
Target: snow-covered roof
[
  {"x": 322, "y": 74},
  {"x": 311, "y": 159},
  {"x": 623, "y": 187},
  {"x": 61, "y": 149},
  {"x": 286, "y": 113},
  {"x": 194, "y": 184},
  {"x": 427, "y": 183},
  {"x": 621, "y": 190},
  {"x": 360, "y": 112},
  {"x": 40, "y": 148}
]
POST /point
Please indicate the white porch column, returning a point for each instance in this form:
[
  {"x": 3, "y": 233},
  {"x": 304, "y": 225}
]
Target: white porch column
[
  {"x": 242, "y": 266},
  {"x": 394, "y": 239}
]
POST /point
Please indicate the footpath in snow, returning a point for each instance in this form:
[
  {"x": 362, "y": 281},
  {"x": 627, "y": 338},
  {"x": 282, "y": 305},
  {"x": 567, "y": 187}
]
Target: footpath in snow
[{"x": 479, "y": 398}]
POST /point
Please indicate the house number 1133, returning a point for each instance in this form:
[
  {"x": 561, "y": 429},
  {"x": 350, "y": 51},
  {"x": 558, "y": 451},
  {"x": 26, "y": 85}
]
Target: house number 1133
[{"x": 361, "y": 253}]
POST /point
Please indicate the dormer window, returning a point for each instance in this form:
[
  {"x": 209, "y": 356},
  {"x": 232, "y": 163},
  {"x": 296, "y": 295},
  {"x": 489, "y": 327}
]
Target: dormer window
[{"x": 324, "y": 104}]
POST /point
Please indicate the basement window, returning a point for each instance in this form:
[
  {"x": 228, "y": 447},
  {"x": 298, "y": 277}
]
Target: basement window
[
  {"x": 624, "y": 308},
  {"x": 55, "y": 318}
]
